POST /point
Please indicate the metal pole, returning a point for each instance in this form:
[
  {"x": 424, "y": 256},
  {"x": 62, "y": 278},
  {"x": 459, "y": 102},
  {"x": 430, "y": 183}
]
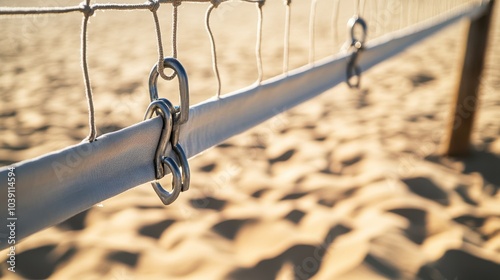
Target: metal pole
[{"x": 467, "y": 98}]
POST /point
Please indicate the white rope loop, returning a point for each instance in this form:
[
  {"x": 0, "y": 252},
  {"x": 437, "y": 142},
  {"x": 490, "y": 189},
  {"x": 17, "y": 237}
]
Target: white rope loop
[
  {"x": 312, "y": 21},
  {"x": 258, "y": 47},
  {"x": 286, "y": 40},
  {"x": 87, "y": 13},
  {"x": 335, "y": 23},
  {"x": 215, "y": 66},
  {"x": 154, "y": 5}
]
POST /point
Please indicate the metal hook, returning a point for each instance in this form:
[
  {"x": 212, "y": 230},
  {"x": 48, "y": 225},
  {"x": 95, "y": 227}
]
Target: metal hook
[
  {"x": 351, "y": 24},
  {"x": 178, "y": 150},
  {"x": 164, "y": 108},
  {"x": 165, "y": 196},
  {"x": 353, "y": 69},
  {"x": 180, "y": 115},
  {"x": 182, "y": 112}
]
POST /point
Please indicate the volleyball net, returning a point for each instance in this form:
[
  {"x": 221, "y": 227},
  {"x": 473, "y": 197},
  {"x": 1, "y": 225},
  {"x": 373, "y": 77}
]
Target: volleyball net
[{"x": 58, "y": 185}]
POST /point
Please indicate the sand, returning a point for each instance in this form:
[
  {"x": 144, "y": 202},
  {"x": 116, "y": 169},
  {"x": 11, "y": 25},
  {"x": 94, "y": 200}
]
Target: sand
[{"x": 349, "y": 185}]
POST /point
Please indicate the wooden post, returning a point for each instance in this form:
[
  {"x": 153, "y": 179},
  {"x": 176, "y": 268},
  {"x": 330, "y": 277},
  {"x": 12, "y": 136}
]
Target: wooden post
[{"x": 466, "y": 101}]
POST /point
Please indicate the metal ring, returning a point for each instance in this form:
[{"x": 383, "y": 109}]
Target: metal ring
[
  {"x": 174, "y": 64},
  {"x": 178, "y": 150},
  {"x": 351, "y": 24},
  {"x": 167, "y": 197}
]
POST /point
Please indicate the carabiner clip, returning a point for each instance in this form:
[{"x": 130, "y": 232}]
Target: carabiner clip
[
  {"x": 353, "y": 69},
  {"x": 182, "y": 112},
  {"x": 164, "y": 110},
  {"x": 173, "y": 118}
]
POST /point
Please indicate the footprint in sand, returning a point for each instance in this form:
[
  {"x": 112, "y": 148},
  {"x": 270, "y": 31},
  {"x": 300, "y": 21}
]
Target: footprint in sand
[
  {"x": 305, "y": 259},
  {"x": 259, "y": 193},
  {"x": 294, "y": 196},
  {"x": 127, "y": 258},
  {"x": 283, "y": 157},
  {"x": 156, "y": 230},
  {"x": 41, "y": 262},
  {"x": 427, "y": 189},
  {"x": 457, "y": 264},
  {"x": 295, "y": 216},
  {"x": 208, "y": 203},
  {"x": 229, "y": 228},
  {"x": 76, "y": 222},
  {"x": 417, "y": 229}
]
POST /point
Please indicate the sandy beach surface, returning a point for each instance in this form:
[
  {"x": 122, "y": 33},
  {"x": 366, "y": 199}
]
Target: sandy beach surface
[{"x": 349, "y": 185}]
